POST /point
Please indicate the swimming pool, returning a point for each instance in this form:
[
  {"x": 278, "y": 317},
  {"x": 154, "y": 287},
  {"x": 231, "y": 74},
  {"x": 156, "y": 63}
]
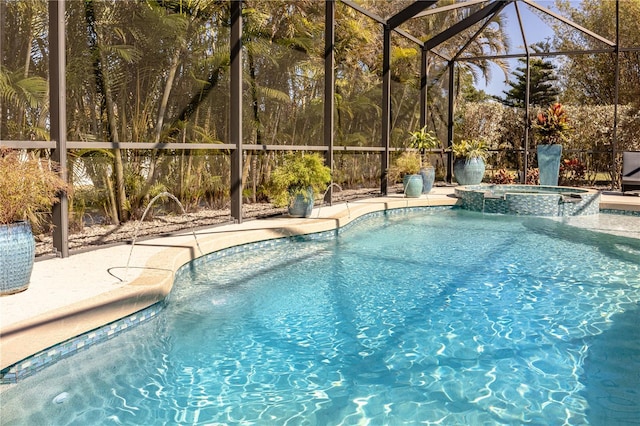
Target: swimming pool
[{"x": 420, "y": 316}]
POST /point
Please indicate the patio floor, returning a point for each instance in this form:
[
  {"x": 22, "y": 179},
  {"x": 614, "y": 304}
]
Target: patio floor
[{"x": 71, "y": 296}]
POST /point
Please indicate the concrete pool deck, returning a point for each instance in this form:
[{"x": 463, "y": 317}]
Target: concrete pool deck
[{"x": 71, "y": 296}]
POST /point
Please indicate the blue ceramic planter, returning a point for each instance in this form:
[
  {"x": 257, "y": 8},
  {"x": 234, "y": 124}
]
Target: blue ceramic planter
[
  {"x": 412, "y": 185},
  {"x": 428, "y": 178},
  {"x": 549, "y": 163},
  {"x": 17, "y": 254},
  {"x": 469, "y": 171},
  {"x": 301, "y": 205}
]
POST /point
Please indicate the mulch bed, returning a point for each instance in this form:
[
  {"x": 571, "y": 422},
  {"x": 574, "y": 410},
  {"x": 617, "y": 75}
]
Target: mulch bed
[{"x": 93, "y": 236}]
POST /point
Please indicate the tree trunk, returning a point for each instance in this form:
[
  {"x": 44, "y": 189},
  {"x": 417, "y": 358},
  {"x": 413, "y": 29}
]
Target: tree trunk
[
  {"x": 111, "y": 208},
  {"x": 106, "y": 104},
  {"x": 254, "y": 172},
  {"x": 245, "y": 168}
]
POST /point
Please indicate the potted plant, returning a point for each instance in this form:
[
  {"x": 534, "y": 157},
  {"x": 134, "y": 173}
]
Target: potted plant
[
  {"x": 297, "y": 181},
  {"x": 27, "y": 185},
  {"x": 551, "y": 127},
  {"x": 424, "y": 140},
  {"x": 407, "y": 168},
  {"x": 469, "y": 166}
]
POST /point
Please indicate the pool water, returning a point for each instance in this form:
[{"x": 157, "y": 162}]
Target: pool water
[{"x": 434, "y": 317}]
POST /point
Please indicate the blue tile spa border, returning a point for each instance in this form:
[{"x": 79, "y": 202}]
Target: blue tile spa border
[
  {"x": 525, "y": 200},
  {"x": 620, "y": 212}
]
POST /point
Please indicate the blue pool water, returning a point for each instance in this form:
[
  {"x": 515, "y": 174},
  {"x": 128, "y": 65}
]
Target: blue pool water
[{"x": 434, "y": 317}]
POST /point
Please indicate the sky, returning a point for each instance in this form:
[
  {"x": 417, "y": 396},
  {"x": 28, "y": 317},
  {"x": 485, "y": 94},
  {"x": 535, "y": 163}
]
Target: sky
[{"x": 535, "y": 30}]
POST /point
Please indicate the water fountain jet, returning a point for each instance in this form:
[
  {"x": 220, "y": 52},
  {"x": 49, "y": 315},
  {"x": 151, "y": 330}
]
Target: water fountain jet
[
  {"x": 332, "y": 184},
  {"x": 144, "y": 214}
]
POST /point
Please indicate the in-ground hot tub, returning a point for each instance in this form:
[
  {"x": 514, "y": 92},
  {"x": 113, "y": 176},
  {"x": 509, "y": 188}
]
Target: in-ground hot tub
[{"x": 529, "y": 200}]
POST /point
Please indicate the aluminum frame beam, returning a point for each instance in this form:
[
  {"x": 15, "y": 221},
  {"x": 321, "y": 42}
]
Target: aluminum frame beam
[
  {"x": 386, "y": 110},
  {"x": 364, "y": 11},
  {"x": 450, "y": 111},
  {"x": 527, "y": 98},
  {"x": 329, "y": 87},
  {"x": 409, "y": 12},
  {"x": 466, "y": 23},
  {"x": 424, "y": 86},
  {"x": 568, "y": 22},
  {"x": 616, "y": 98},
  {"x": 449, "y": 7},
  {"x": 58, "y": 117},
  {"x": 477, "y": 33},
  {"x": 235, "y": 110},
  {"x": 541, "y": 54}
]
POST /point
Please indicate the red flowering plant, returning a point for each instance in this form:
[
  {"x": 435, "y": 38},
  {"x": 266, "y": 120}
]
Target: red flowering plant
[
  {"x": 533, "y": 177},
  {"x": 552, "y": 125},
  {"x": 572, "y": 171},
  {"x": 503, "y": 177}
]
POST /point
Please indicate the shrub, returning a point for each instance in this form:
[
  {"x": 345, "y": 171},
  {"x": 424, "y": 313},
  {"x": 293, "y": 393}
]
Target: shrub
[
  {"x": 533, "y": 177},
  {"x": 297, "y": 173},
  {"x": 28, "y": 185},
  {"x": 408, "y": 163},
  {"x": 503, "y": 177},
  {"x": 572, "y": 171}
]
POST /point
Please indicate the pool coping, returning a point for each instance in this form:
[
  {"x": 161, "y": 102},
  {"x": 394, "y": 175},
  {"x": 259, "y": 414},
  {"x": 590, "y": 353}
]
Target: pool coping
[{"x": 110, "y": 299}]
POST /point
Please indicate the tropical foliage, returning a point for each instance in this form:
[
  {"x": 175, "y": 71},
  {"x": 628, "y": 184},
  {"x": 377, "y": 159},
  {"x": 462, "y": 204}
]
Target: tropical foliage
[
  {"x": 470, "y": 148},
  {"x": 552, "y": 125},
  {"x": 424, "y": 140}
]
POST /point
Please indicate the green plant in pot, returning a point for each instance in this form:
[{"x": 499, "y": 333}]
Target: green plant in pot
[
  {"x": 297, "y": 181},
  {"x": 551, "y": 128},
  {"x": 407, "y": 168},
  {"x": 424, "y": 140},
  {"x": 469, "y": 166},
  {"x": 28, "y": 185}
]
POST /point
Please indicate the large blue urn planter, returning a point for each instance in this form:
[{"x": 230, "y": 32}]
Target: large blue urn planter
[
  {"x": 549, "y": 163},
  {"x": 428, "y": 178},
  {"x": 469, "y": 171},
  {"x": 17, "y": 254},
  {"x": 412, "y": 185}
]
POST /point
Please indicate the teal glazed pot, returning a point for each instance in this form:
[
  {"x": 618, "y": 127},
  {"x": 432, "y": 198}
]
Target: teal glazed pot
[
  {"x": 428, "y": 178},
  {"x": 412, "y": 185},
  {"x": 17, "y": 254},
  {"x": 301, "y": 205},
  {"x": 469, "y": 171},
  {"x": 549, "y": 163}
]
